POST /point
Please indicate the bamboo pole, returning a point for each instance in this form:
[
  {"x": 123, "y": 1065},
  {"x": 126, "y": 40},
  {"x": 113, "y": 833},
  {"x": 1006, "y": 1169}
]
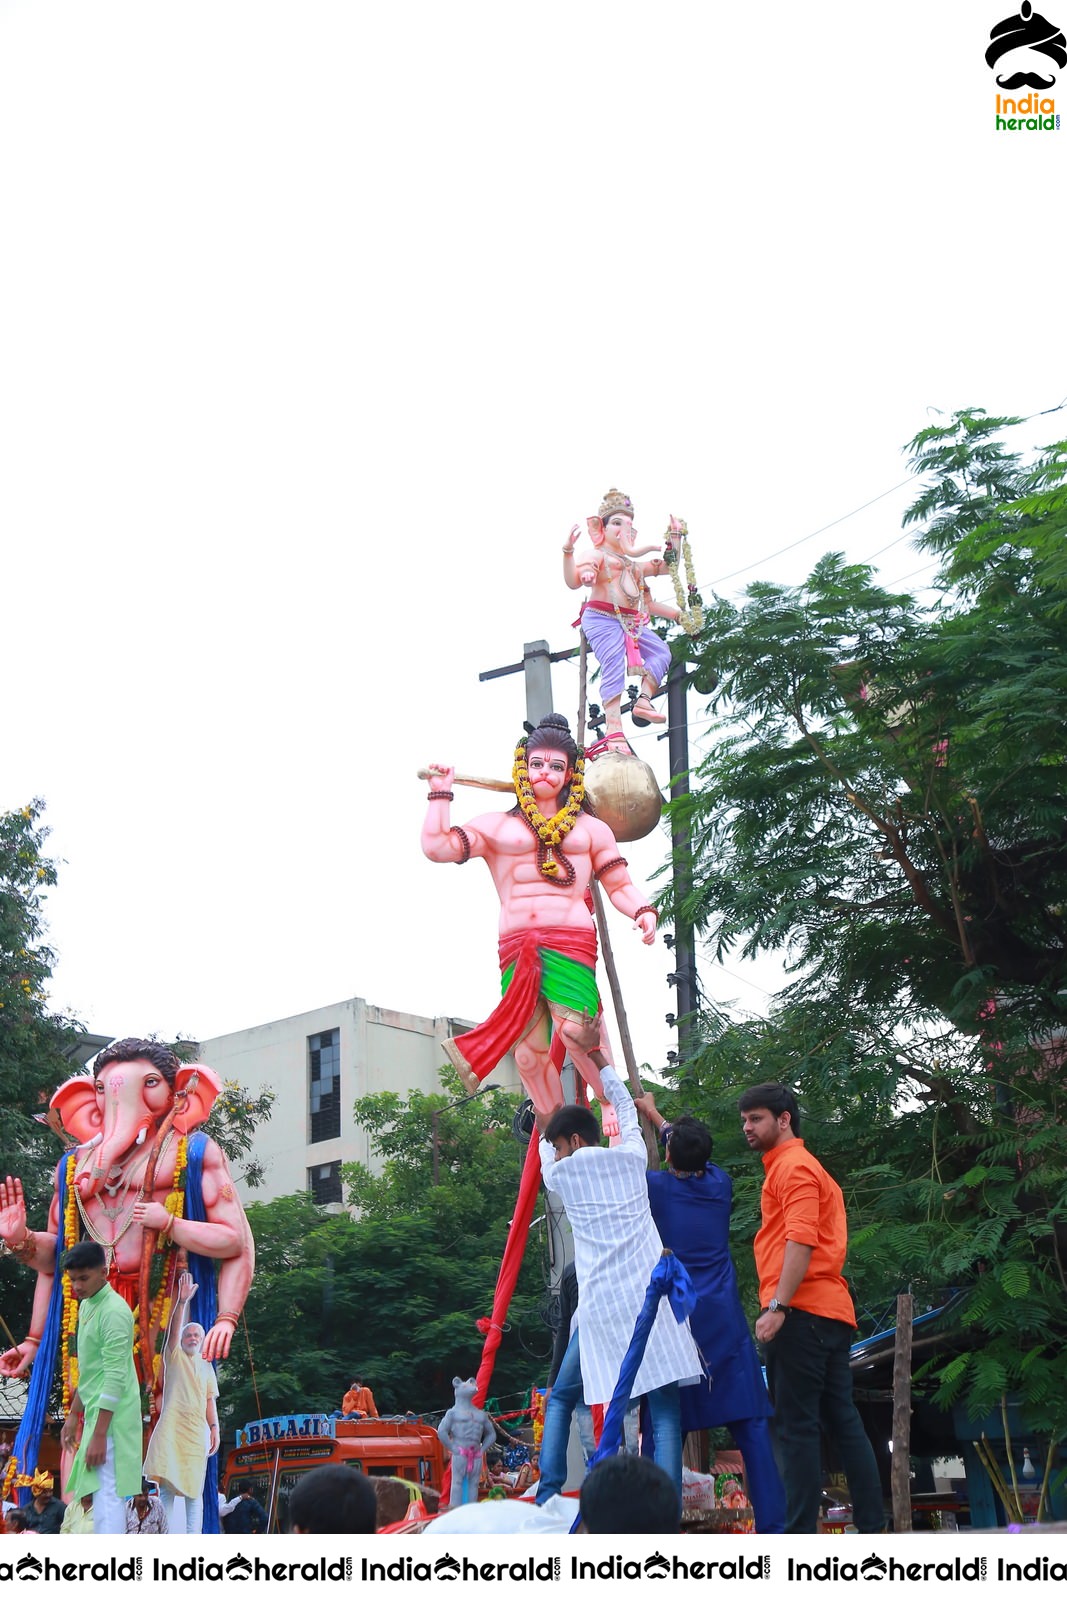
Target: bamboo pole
[
  {"x": 608, "y": 953},
  {"x": 1010, "y": 1455},
  {"x": 620, "y": 1017},
  {"x": 987, "y": 1456},
  {"x": 1043, "y": 1496},
  {"x": 900, "y": 1475}
]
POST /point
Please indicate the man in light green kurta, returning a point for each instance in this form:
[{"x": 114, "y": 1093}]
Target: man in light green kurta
[{"x": 108, "y": 1462}]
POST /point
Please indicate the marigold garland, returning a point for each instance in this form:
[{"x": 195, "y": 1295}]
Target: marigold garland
[
  {"x": 175, "y": 1201},
  {"x": 550, "y": 831},
  {"x": 159, "y": 1316},
  {"x": 69, "y": 1320},
  {"x": 163, "y": 1298},
  {"x": 689, "y": 603}
]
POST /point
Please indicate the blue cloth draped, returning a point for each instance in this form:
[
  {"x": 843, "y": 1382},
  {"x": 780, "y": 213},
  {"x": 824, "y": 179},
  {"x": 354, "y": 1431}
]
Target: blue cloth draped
[
  {"x": 669, "y": 1278},
  {"x": 28, "y": 1439},
  {"x": 206, "y": 1302}
]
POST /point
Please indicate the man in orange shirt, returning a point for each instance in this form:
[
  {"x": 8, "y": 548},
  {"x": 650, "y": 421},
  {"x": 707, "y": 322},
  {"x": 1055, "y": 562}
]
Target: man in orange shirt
[
  {"x": 807, "y": 1321},
  {"x": 358, "y": 1402}
]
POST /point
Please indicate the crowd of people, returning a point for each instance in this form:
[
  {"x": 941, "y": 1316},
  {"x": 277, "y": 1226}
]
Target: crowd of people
[{"x": 697, "y": 1371}]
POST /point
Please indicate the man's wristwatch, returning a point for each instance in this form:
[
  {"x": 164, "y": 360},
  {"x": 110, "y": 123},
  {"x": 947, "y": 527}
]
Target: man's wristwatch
[{"x": 777, "y": 1305}]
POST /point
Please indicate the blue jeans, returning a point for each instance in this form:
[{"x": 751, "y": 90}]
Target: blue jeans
[
  {"x": 811, "y": 1386},
  {"x": 753, "y": 1438},
  {"x": 583, "y": 1416},
  {"x": 567, "y": 1392},
  {"x": 665, "y": 1413}
]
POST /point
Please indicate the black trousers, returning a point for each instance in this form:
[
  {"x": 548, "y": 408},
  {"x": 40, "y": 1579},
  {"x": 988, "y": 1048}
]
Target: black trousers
[{"x": 811, "y": 1387}]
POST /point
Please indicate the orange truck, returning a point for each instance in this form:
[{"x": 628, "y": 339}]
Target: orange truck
[{"x": 273, "y": 1453}]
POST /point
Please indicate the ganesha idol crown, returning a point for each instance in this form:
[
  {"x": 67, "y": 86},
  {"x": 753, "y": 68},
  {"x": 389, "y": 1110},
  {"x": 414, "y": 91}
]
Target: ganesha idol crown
[{"x": 615, "y": 501}]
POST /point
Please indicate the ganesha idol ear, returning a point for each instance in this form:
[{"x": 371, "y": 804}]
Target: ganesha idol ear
[
  {"x": 596, "y": 530},
  {"x": 79, "y": 1107},
  {"x": 202, "y": 1095}
]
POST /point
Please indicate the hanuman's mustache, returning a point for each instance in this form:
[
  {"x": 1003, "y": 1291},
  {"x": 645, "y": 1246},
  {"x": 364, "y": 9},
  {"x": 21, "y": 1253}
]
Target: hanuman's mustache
[{"x": 1029, "y": 80}]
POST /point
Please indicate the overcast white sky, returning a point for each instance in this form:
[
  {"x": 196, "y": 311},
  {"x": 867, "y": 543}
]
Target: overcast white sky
[{"x": 321, "y": 325}]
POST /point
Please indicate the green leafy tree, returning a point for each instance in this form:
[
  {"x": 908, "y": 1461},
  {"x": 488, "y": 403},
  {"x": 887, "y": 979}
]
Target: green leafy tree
[
  {"x": 393, "y": 1295},
  {"x": 234, "y": 1118},
  {"x": 884, "y": 805},
  {"x": 33, "y": 1041}
]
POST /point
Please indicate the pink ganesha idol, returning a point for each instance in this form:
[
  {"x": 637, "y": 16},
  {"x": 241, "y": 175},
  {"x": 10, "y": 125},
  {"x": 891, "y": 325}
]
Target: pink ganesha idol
[{"x": 616, "y": 617}]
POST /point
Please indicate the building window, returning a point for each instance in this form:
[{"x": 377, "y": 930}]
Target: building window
[
  {"x": 324, "y": 1086},
  {"x": 324, "y": 1184}
]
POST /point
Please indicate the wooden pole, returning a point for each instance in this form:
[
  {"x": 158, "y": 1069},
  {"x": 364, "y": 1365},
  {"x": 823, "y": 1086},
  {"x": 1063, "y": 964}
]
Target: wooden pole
[
  {"x": 900, "y": 1478},
  {"x": 497, "y": 785},
  {"x": 620, "y": 1016},
  {"x": 651, "y": 1144}
]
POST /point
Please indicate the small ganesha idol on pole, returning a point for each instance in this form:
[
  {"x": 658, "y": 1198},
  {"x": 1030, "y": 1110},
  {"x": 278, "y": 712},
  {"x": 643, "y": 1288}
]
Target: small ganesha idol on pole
[{"x": 616, "y": 617}]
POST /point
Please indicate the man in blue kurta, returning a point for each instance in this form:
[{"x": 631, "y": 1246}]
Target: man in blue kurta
[
  {"x": 108, "y": 1460},
  {"x": 691, "y": 1209}
]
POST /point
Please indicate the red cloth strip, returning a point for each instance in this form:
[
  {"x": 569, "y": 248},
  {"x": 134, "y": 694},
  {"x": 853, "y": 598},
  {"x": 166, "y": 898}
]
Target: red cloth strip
[{"x": 485, "y": 1046}]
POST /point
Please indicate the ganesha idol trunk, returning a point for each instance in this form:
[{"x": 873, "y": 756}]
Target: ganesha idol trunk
[
  {"x": 624, "y": 794},
  {"x": 116, "y": 1113}
]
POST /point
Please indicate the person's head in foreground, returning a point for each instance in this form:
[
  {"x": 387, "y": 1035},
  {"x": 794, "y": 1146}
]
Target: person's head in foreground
[
  {"x": 629, "y": 1494},
  {"x": 333, "y": 1500},
  {"x": 141, "y": 1500},
  {"x": 43, "y": 1489}
]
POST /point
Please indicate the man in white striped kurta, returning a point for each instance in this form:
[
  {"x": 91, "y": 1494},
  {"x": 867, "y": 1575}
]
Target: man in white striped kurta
[{"x": 616, "y": 1248}]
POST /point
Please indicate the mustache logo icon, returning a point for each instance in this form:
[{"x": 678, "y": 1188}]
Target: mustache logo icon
[{"x": 1029, "y": 80}]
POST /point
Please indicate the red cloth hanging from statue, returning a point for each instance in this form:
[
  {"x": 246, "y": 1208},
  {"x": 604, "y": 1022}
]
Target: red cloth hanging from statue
[{"x": 514, "y": 1250}]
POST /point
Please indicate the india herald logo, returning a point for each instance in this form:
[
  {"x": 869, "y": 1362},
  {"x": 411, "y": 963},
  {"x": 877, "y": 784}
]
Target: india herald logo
[
  {"x": 1025, "y": 43},
  {"x": 873, "y": 1567}
]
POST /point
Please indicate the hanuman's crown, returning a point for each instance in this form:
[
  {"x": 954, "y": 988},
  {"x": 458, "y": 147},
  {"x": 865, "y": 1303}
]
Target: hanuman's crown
[{"x": 615, "y": 501}]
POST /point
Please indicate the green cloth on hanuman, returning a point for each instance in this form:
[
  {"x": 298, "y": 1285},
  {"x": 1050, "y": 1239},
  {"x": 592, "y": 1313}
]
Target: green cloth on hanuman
[{"x": 564, "y": 982}]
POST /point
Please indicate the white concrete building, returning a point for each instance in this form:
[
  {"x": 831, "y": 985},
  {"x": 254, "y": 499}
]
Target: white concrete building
[{"x": 319, "y": 1064}]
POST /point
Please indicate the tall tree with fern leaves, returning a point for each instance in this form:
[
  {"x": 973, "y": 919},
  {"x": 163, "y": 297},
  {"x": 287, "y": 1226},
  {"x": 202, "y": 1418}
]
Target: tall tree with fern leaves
[{"x": 885, "y": 805}]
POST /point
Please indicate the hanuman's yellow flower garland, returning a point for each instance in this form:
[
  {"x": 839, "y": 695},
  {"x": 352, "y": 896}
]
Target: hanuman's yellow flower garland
[{"x": 550, "y": 831}]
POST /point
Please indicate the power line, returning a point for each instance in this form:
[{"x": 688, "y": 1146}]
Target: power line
[
  {"x": 739, "y": 571},
  {"x": 914, "y": 574},
  {"x": 898, "y": 540},
  {"x": 730, "y": 973},
  {"x": 824, "y": 529}
]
